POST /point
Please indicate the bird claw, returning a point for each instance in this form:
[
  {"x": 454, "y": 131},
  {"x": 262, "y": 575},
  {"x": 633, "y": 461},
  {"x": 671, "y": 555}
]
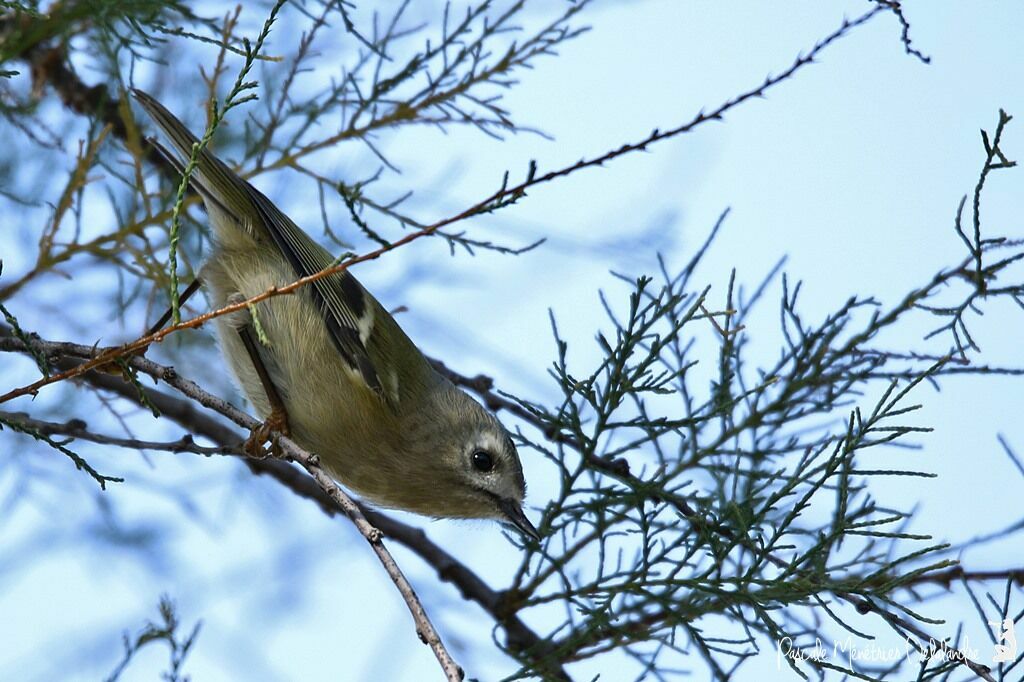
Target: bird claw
[
  {"x": 116, "y": 368},
  {"x": 273, "y": 428}
]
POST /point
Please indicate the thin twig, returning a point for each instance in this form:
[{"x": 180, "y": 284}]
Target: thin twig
[{"x": 311, "y": 463}]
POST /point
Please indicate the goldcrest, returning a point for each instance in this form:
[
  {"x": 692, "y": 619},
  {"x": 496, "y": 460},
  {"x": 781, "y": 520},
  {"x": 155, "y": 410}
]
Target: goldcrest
[{"x": 356, "y": 390}]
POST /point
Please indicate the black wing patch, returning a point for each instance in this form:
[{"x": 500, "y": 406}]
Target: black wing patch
[{"x": 339, "y": 296}]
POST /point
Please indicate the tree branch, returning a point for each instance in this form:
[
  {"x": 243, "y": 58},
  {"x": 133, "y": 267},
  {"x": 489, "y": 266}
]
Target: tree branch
[
  {"x": 310, "y": 462},
  {"x": 502, "y": 197},
  {"x": 519, "y": 637}
]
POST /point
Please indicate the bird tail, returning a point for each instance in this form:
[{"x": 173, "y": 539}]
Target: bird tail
[{"x": 218, "y": 185}]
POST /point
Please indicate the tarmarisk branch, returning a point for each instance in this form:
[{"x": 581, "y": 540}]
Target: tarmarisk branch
[
  {"x": 310, "y": 462},
  {"x": 520, "y": 639},
  {"x": 505, "y": 195}
]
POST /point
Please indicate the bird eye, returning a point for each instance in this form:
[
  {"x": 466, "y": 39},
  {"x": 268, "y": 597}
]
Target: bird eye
[{"x": 482, "y": 461}]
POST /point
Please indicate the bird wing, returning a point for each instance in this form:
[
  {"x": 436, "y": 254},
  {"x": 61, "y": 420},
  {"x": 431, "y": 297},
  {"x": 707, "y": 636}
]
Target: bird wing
[{"x": 346, "y": 308}]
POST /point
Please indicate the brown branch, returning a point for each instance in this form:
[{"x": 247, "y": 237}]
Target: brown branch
[
  {"x": 957, "y": 573},
  {"x": 424, "y": 628},
  {"x": 520, "y": 639},
  {"x": 896, "y": 7},
  {"x": 311, "y": 463},
  {"x": 77, "y": 429}
]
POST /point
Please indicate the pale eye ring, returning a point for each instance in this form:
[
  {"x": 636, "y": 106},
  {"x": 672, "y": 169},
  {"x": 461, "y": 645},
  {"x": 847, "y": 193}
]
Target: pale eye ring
[{"x": 482, "y": 461}]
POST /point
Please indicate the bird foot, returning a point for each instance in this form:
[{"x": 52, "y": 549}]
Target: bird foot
[
  {"x": 275, "y": 426},
  {"x": 117, "y": 367}
]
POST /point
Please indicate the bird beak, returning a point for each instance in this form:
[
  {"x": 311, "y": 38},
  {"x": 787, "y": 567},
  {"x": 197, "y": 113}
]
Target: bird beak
[{"x": 514, "y": 516}]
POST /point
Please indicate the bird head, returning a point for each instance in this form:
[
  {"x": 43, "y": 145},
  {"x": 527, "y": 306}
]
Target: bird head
[{"x": 477, "y": 469}]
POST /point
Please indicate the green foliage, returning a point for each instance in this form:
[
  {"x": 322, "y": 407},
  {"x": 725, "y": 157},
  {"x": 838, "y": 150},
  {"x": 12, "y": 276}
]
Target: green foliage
[{"x": 751, "y": 498}]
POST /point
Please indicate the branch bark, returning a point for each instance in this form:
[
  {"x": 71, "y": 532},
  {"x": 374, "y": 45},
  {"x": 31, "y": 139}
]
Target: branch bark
[
  {"x": 425, "y": 630},
  {"x": 520, "y": 638}
]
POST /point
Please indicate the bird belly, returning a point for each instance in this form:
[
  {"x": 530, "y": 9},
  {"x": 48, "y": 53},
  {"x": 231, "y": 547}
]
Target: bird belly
[{"x": 331, "y": 412}]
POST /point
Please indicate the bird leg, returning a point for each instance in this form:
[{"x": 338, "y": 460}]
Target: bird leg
[
  {"x": 277, "y": 421},
  {"x": 184, "y": 296},
  {"x": 116, "y": 368}
]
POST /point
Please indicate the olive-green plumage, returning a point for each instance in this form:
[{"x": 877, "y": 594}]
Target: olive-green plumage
[{"x": 356, "y": 389}]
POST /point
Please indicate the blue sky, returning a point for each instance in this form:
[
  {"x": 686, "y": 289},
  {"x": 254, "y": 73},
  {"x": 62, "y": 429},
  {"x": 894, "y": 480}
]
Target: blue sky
[{"x": 853, "y": 170}]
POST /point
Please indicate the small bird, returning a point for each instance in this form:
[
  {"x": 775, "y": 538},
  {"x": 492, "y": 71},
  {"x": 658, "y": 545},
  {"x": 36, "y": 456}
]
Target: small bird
[{"x": 332, "y": 368}]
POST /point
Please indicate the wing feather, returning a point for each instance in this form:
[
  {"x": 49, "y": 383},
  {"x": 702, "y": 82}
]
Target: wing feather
[{"x": 346, "y": 308}]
